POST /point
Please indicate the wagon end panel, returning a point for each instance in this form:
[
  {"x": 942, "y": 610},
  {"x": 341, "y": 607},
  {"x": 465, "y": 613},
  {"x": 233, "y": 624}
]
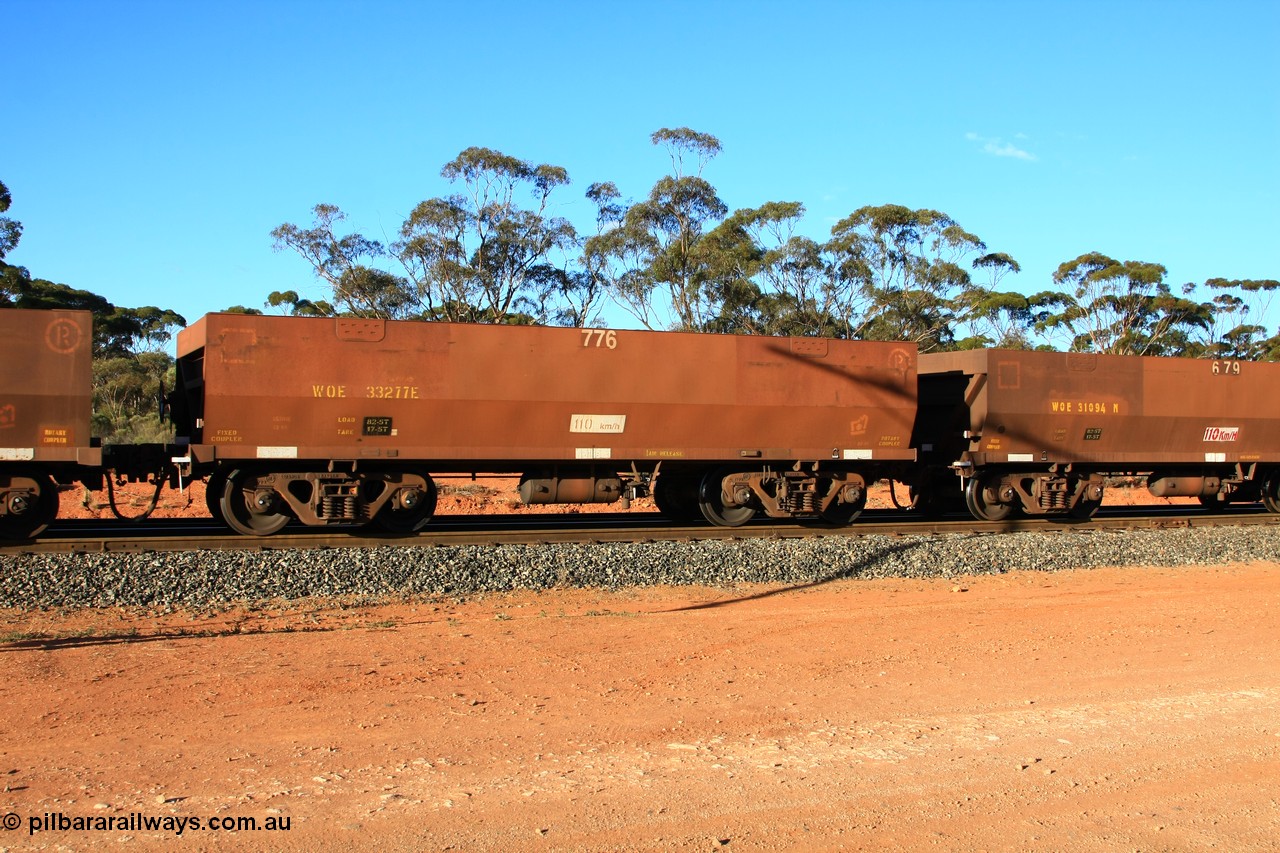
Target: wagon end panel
[
  {"x": 860, "y": 393},
  {"x": 46, "y": 385}
]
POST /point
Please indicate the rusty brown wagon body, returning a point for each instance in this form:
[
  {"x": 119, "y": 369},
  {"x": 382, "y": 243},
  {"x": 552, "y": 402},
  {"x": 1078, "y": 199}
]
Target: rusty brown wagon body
[
  {"x": 46, "y": 377},
  {"x": 730, "y": 425},
  {"x": 1040, "y": 431}
]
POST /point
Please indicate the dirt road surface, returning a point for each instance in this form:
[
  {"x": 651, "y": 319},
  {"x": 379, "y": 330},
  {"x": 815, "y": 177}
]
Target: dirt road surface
[{"x": 1113, "y": 709}]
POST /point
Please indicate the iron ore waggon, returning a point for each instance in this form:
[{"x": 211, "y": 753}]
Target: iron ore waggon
[
  {"x": 1039, "y": 432},
  {"x": 352, "y": 421},
  {"x": 340, "y": 421},
  {"x": 45, "y": 411}
]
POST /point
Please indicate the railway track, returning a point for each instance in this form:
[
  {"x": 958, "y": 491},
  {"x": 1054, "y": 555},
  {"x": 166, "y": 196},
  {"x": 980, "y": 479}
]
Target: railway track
[{"x": 176, "y": 535}]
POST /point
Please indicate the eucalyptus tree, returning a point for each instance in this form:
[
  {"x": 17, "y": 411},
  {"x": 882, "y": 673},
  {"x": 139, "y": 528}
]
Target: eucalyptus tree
[
  {"x": 11, "y": 277},
  {"x": 990, "y": 315},
  {"x": 575, "y": 291},
  {"x": 654, "y": 261},
  {"x": 1123, "y": 308},
  {"x": 347, "y": 265},
  {"x": 781, "y": 280},
  {"x": 481, "y": 255},
  {"x": 129, "y": 367},
  {"x": 731, "y": 299},
  {"x": 10, "y": 229},
  {"x": 1241, "y": 307},
  {"x": 901, "y": 268},
  {"x": 117, "y": 331},
  {"x": 299, "y": 306}
]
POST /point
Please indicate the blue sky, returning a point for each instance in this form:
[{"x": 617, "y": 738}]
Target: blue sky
[{"x": 151, "y": 147}]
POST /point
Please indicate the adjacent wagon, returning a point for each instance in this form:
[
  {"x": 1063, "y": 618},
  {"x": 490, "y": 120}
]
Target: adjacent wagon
[
  {"x": 1041, "y": 431},
  {"x": 46, "y": 379}
]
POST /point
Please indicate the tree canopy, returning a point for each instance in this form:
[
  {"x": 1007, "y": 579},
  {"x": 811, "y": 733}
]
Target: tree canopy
[
  {"x": 677, "y": 258},
  {"x": 495, "y": 249}
]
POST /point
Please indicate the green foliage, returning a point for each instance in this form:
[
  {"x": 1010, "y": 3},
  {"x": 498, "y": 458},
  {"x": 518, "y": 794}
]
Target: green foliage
[
  {"x": 681, "y": 142},
  {"x": 1124, "y": 308},
  {"x": 358, "y": 288},
  {"x": 492, "y": 252},
  {"x": 10, "y": 230},
  {"x": 480, "y": 256},
  {"x": 116, "y": 331},
  {"x": 1238, "y": 309},
  {"x": 299, "y": 307},
  {"x": 659, "y": 262},
  {"x": 904, "y": 269},
  {"x": 126, "y": 392}
]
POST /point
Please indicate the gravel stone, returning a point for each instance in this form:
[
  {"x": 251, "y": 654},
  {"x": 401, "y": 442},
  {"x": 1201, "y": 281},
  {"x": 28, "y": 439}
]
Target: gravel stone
[{"x": 217, "y": 578}]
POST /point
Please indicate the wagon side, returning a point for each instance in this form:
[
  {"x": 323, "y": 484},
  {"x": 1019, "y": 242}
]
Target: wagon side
[{"x": 348, "y": 420}]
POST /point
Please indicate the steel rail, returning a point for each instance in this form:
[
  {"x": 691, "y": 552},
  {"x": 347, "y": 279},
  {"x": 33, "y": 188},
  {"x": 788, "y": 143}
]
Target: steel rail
[{"x": 172, "y": 535}]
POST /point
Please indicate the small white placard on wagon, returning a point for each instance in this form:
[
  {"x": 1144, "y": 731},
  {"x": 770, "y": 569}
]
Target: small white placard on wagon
[{"x": 597, "y": 423}]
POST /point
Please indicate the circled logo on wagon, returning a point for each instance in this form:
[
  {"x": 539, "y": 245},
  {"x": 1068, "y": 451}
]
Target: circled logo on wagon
[
  {"x": 1221, "y": 433},
  {"x": 62, "y": 336}
]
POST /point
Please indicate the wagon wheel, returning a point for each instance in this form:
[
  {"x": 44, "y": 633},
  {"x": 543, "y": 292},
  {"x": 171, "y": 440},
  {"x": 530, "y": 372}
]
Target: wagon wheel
[
  {"x": 711, "y": 502},
  {"x": 250, "y": 508},
  {"x": 410, "y": 510},
  {"x": 979, "y": 506},
  {"x": 842, "y": 513},
  {"x": 1271, "y": 493},
  {"x": 677, "y": 497},
  {"x": 28, "y": 515}
]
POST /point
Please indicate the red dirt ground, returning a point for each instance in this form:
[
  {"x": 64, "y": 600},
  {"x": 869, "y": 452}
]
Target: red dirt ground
[{"x": 1113, "y": 709}]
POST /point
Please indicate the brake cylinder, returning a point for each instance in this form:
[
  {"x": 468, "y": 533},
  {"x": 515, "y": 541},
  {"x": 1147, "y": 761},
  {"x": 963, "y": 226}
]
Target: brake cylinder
[
  {"x": 569, "y": 490},
  {"x": 1184, "y": 487}
]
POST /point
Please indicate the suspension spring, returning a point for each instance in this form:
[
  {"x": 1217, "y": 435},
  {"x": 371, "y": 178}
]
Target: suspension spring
[
  {"x": 340, "y": 507},
  {"x": 801, "y": 502},
  {"x": 1054, "y": 495}
]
